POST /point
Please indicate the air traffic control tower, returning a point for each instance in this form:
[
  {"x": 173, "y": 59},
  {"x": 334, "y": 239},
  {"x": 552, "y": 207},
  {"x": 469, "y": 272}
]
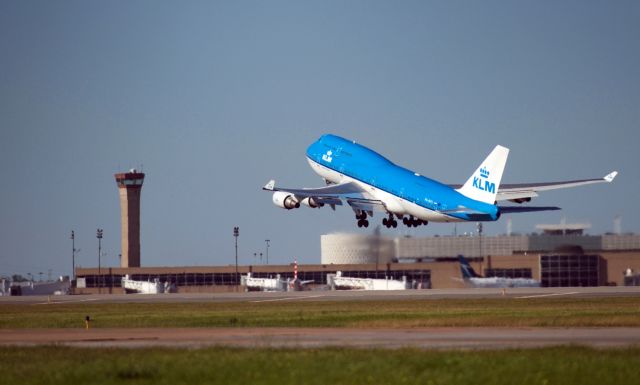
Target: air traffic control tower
[{"x": 130, "y": 186}]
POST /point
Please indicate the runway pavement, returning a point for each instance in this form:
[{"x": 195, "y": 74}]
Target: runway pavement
[
  {"x": 347, "y": 295},
  {"x": 421, "y": 338}
]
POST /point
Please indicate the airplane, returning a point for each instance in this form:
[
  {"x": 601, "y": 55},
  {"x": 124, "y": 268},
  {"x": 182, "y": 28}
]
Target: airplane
[
  {"x": 297, "y": 284},
  {"x": 471, "y": 278},
  {"x": 368, "y": 182},
  {"x": 278, "y": 283}
]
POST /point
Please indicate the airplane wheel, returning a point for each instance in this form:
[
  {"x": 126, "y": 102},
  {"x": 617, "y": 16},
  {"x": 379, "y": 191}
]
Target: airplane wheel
[
  {"x": 394, "y": 224},
  {"x": 365, "y": 223},
  {"x": 360, "y": 223},
  {"x": 385, "y": 222}
]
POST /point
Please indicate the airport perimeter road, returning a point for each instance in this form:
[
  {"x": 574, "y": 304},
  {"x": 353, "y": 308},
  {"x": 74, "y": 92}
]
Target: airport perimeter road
[
  {"x": 422, "y": 338},
  {"x": 347, "y": 295}
]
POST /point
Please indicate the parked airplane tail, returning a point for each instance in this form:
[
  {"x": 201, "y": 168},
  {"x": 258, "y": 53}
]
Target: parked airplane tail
[
  {"x": 466, "y": 269},
  {"x": 484, "y": 183}
]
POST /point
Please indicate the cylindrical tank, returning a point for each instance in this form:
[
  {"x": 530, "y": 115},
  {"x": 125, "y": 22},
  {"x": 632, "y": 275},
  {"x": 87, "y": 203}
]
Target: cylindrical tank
[{"x": 342, "y": 248}]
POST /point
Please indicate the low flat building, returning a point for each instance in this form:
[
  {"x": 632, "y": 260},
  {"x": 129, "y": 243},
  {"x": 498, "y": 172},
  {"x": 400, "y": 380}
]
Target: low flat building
[{"x": 552, "y": 269}]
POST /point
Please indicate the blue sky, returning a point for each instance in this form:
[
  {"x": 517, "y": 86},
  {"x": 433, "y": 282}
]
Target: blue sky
[{"x": 213, "y": 99}]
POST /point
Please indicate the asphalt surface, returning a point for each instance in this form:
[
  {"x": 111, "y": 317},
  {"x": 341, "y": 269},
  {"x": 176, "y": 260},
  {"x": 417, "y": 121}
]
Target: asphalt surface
[
  {"x": 347, "y": 295},
  {"x": 421, "y": 338}
]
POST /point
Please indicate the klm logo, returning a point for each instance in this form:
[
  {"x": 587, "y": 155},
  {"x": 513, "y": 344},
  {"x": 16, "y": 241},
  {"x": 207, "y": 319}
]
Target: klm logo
[
  {"x": 486, "y": 186},
  {"x": 327, "y": 157}
]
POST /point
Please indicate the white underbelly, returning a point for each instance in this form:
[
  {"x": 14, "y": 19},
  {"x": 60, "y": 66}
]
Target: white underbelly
[{"x": 393, "y": 203}]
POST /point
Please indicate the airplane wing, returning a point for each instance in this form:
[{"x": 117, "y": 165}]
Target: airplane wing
[
  {"x": 368, "y": 205},
  {"x": 331, "y": 191},
  {"x": 332, "y": 195},
  {"x": 525, "y": 191}
]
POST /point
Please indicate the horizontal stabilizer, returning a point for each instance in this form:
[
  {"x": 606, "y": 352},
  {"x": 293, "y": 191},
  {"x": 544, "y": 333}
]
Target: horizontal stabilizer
[{"x": 525, "y": 209}]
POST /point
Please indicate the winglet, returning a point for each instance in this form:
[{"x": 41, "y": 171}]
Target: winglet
[
  {"x": 609, "y": 178},
  {"x": 270, "y": 186}
]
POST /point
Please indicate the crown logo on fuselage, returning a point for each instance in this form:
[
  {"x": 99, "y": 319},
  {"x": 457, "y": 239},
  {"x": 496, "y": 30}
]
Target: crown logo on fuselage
[{"x": 327, "y": 157}]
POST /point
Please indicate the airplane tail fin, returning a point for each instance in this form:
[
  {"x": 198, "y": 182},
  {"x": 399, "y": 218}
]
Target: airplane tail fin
[
  {"x": 484, "y": 183},
  {"x": 466, "y": 269}
]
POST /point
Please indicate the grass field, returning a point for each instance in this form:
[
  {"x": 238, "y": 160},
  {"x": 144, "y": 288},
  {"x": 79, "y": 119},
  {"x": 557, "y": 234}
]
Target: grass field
[
  {"x": 558, "y": 312},
  {"x": 566, "y": 365}
]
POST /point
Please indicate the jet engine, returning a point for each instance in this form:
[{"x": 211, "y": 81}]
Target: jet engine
[
  {"x": 285, "y": 200},
  {"x": 311, "y": 202}
]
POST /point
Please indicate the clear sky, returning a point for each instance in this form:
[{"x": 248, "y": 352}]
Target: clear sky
[{"x": 213, "y": 99}]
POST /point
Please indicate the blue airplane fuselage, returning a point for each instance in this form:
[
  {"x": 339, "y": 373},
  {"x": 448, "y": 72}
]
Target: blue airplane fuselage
[{"x": 347, "y": 159}]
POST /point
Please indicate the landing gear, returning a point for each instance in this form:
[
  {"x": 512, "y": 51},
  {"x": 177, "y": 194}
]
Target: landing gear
[
  {"x": 390, "y": 222},
  {"x": 413, "y": 222},
  {"x": 362, "y": 219}
]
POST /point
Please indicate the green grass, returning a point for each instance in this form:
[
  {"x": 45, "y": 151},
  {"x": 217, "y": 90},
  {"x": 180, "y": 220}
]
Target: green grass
[
  {"x": 558, "y": 312},
  {"x": 562, "y": 365}
]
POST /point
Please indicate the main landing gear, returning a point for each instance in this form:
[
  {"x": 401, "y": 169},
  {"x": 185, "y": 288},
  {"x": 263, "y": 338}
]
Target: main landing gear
[
  {"x": 362, "y": 219},
  {"x": 413, "y": 222},
  {"x": 390, "y": 222}
]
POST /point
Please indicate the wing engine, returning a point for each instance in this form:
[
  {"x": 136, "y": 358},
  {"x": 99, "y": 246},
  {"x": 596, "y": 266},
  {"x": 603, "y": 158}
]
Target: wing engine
[{"x": 285, "y": 200}]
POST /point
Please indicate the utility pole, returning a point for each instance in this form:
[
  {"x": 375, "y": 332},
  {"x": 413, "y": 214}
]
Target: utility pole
[
  {"x": 236, "y": 233},
  {"x": 99, "y": 236},
  {"x": 267, "y": 242}
]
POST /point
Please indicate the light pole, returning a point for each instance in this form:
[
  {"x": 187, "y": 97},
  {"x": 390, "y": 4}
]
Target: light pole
[
  {"x": 480, "y": 237},
  {"x": 236, "y": 233},
  {"x": 73, "y": 255},
  {"x": 267, "y": 242},
  {"x": 99, "y": 236}
]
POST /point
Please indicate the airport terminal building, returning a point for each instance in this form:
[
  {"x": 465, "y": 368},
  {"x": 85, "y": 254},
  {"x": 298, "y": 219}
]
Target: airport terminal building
[{"x": 556, "y": 257}]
